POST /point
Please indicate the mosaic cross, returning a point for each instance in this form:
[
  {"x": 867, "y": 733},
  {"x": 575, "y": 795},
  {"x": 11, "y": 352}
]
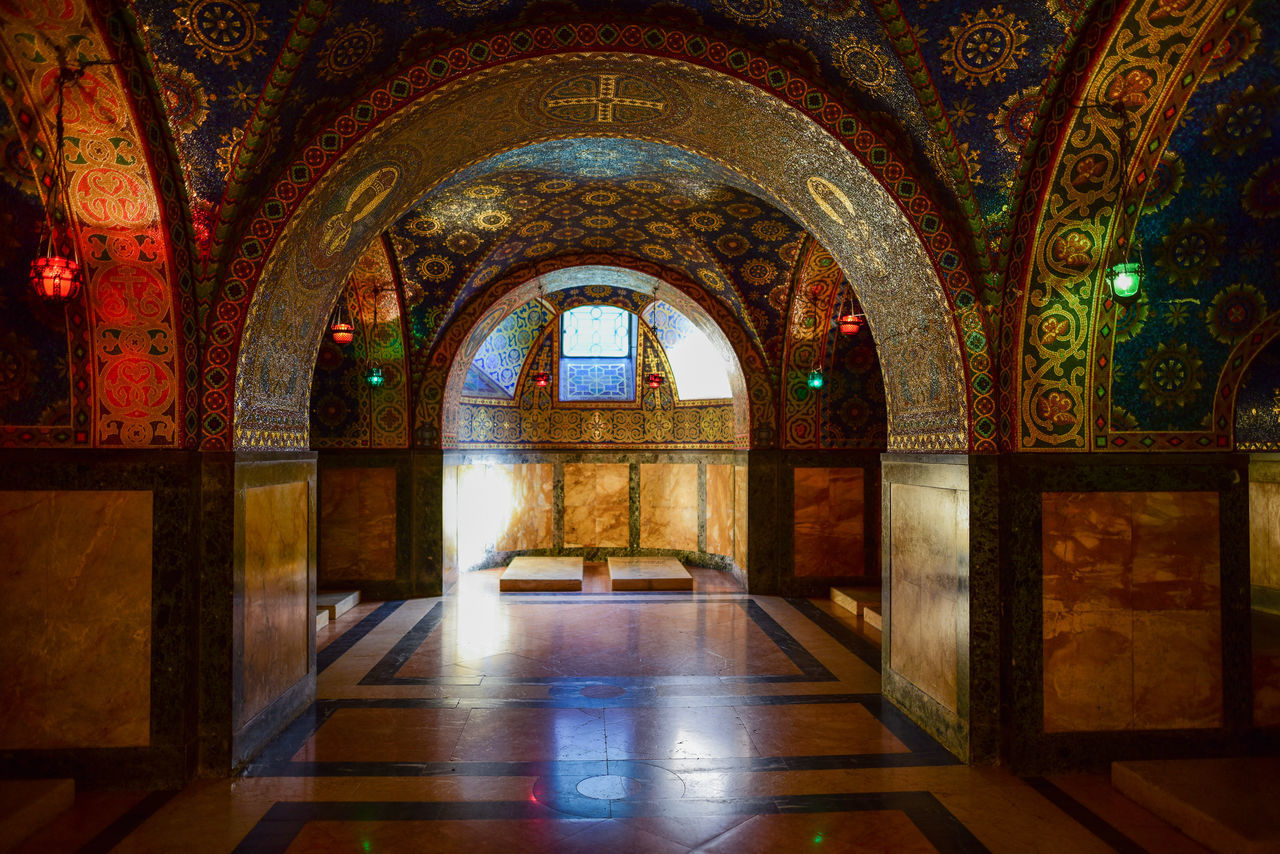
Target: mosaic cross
[{"x": 605, "y": 100}]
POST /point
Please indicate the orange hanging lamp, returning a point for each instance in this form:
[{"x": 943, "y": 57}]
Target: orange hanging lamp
[{"x": 341, "y": 329}]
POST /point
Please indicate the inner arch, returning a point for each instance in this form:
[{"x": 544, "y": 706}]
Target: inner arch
[{"x": 784, "y": 155}]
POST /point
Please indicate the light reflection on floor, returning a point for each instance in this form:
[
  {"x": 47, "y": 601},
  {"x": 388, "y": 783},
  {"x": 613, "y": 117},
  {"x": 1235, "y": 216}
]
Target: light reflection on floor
[{"x": 711, "y": 721}]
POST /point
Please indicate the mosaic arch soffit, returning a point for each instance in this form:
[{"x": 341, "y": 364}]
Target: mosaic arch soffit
[
  {"x": 584, "y": 276},
  {"x": 1056, "y": 345},
  {"x": 815, "y": 179},
  {"x": 129, "y": 356}
]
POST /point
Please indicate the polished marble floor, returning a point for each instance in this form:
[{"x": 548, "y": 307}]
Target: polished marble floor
[{"x": 595, "y": 721}]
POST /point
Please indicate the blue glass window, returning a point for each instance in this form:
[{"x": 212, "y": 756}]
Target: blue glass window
[{"x": 597, "y": 354}]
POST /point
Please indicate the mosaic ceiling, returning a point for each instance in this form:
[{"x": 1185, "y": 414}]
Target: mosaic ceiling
[{"x": 954, "y": 88}]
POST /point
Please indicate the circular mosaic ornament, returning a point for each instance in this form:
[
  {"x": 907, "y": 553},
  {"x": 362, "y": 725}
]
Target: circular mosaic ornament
[
  {"x": 1166, "y": 181},
  {"x": 1015, "y": 118},
  {"x": 1234, "y": 312},
  {"x": 1190, "y": 251},
  {"x": 758, "y": 12},
  {"x": 460, "y": 8},
  {"x": 185, "y": 100},
  {"x": 435, "y": 268},
  {"x": 1235, "y": 47},
  {"x": 1171, "y": 374},
  {"x": 1243, "y": 122},
  {"x": 348, "y": 49},
  {"x": 223, "y": 30},
  {"x": 1261, "y": 197},
  {"x": 862, "y": 62},
  {"x": 984, "y": 47}
]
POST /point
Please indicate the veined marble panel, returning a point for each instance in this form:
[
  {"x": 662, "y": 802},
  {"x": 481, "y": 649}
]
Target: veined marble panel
[
  {"x": 669, "y": 506},
  {"x": 357, "y": 523},
  {"x": 828, "y": 524},
  {"x": 531, "y": 502},
  {"x": 597, "y": 501},
  {"x": 1264, "y": 534},
  {"x": 449, "y": 521},
  {"x": 720, "y": 509},
  {"x": 925, "y": 588},
  {"x": 75, "y": 619},
  {"x": 1131, "y": 600},
  {"x": 740, "y": 516},
  {"x": 276, "y": 623}
]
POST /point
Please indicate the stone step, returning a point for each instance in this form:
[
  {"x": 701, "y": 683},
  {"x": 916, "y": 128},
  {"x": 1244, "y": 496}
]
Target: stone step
[
  {"x": 322, "y": 618},
  {"x": 1227, "y": 805},
  {"x": 862, "y": 602},
  {"x": 337, "y": 602},
  {"x": 28, "y": 805}
]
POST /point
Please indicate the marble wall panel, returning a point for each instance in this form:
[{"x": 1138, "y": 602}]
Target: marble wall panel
[
  {"x": 740, "y": 516},
  {"x": 357, "y": 524},
  {"x": 669, "y": 506},
  {"x": 276, "y": 622},
  {"x": 596, "y": 505},
  {"x": 75, "y": 619},
  {"x": 720, "y": 509},
  {"x": 1131, "y": 606},
  {"x": 829, "y": 522},
  {"x": 925, "y": 588},
  {"x": 530, "y": 507},
  {"x": 1266, "y": 669},
  {"x": 449, "y": 520},
  {"x": 1264, "y": 534}
]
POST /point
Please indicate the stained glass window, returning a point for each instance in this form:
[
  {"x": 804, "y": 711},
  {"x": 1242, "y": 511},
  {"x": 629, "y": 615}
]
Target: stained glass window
[{"x": 597, "y": 354}]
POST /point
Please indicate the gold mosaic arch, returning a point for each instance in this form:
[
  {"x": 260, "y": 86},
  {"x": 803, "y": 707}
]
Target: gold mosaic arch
[
  {"x": 134, "y": 347},
  {"x": 1150, "y": 61},
  {"x": 461, "y": 357},
  {"x": 790, "y": 158}
]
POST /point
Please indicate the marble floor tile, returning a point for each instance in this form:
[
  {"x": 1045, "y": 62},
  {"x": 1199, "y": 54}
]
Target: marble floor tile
[{"x": 627, "y": 721}]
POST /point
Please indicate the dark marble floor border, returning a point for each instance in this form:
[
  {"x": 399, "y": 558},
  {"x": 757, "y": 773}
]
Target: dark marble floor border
[
  {"x": 864, "y": 649},
  {"x": 277, "y": 759},
  {"x": 340, "y": 645},
  {"x": 285, "y": 820},
  {"x": 129, "y": 821},
  {"x": 811, "y": 670},
  {"x": 1085, "y": 817}
]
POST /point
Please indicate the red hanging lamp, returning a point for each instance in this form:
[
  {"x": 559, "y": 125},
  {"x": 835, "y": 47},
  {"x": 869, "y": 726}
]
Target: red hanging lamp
[
  {"x": 341, "y": 329},
  {"x": 541, "y": 379},
  {"x": 654, "y": 380},
  {"x": 848, "y": 322},
  {"x": 56, "y": 274}
]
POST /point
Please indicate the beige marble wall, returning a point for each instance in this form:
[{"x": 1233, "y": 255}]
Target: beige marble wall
[
  {"x": 276, "y": 622},
  {"x": 829, "y": 522},
  {"x": 669, "y": 506},
  {"x": 596, "y": 505},
  {"x": 740, "y": 516},
  {"x": 357, "y": 524},
  {"x": 1132, "y": 627},
  {"x": 925, "y": 542},
  {"x": 1264, "y": 533},
  {"x": 450, "y": 524},
  {"x": 720, "y": 509},
  {"x": 75, "y": 619},
  {"x": 529, "y": 524}
]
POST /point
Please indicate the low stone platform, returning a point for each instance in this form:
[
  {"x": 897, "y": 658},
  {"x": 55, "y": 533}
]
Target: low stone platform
[
  {"x": 862, "y": 602},
  {"x": 337, "y": 602},
  {"x": 534, "y": 574},
  {"x": 648, "y": 573},
  {"x": 1224, "y": 804},
  {"x": 28, "y": 805}
]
